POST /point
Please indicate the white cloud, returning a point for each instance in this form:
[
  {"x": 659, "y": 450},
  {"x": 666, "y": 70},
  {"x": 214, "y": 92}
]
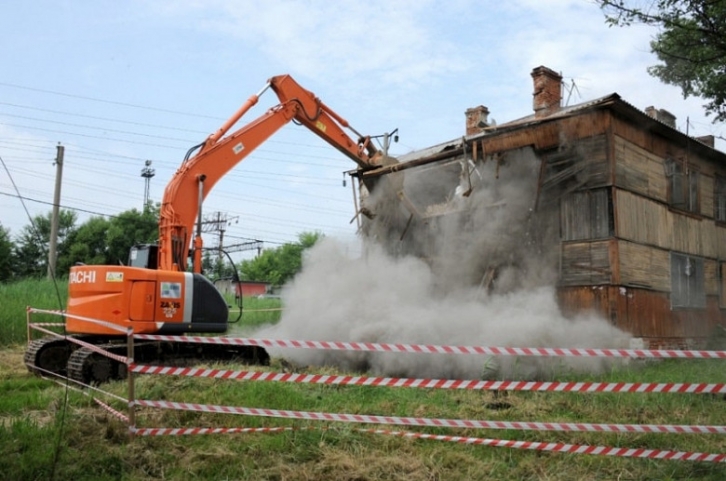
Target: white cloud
[{"x": 338, "y": 41}]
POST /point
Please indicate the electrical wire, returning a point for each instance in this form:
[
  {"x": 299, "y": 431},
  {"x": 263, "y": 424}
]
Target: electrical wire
[
  {"x": 73, "y": 131},
  {"x": 38, "y": 201},
  {"x": 110, "y": 102}
]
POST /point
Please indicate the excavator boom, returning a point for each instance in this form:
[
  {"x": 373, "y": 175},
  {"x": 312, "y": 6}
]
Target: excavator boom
[
  {"x": 219, "y": 154},
  {"x": 156, "y": 294}
]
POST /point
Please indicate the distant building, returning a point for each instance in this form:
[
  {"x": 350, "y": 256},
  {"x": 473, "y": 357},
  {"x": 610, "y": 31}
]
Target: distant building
[{"x": 243, "y": 288}]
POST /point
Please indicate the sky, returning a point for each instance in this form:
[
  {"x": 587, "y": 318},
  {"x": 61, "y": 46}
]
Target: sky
[{"x": 120, "y": 83}]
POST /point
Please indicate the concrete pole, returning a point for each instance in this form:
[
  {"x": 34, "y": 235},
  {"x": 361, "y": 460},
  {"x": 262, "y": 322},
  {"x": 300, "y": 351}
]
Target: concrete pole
[{"x": 52, "y": 256}]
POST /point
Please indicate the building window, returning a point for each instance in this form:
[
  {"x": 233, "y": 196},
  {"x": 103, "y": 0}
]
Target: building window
[
  {"x": 719, "y": 199},
  {"x": 687, "y": 281},
  {"x": 587, "y": 215},
  {"x": 682, "y": 185}
]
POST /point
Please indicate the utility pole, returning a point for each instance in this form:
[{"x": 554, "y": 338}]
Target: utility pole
[
  {"x": 218, "y": 224},
  {"x": 56, "y": 211}
]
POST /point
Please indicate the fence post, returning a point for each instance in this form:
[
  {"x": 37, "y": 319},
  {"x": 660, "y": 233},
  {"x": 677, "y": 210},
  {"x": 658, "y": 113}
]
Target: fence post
[
  {"x": 27, "y": 321},
  {"x": 130, "y": 377}
]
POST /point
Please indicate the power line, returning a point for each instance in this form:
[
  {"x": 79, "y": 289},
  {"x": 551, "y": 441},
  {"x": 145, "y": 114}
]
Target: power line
[
  {"x": 156, "y": 126},
  {"x": 38, "y": 201},
  {"x": 110, "y": 102},
  {"x": 75, "y": 130},
  {"x": 333, "y": 161},
  {"x": 93, "y": 127},
  {"x": 106, "y": 119},
  {"x": 113, "y": 216}
]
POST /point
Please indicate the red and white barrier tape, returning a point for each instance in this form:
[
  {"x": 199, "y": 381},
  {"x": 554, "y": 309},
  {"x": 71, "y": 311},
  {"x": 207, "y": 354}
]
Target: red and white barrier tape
[
  {"x": 563, "y": 448},
  {"x": 92, "y": 347},
  {"x": 72, "y": 383},
  {"x": 111, "y": 410},
  {"x": 47, "y": 324},
  {"x": 55, "y": 312},
  {"x": 190, "y": 431},
  {"x": 115, "y": 327},
  {"x": 471, "y": 384},
  {"x": 434, "y": 349},
  {"x": 439, "y": 423},
  {"x": 498, "y": 443},
  {"x": 38, "y": 327}
]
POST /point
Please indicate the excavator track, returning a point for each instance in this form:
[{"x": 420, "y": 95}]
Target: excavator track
[
  {"x": 49, "y": 354},
  {"x": 63, "y": 357}
]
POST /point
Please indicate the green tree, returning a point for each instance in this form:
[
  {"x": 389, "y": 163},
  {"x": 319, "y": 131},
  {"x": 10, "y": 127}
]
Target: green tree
[
  {"x": 279, "y": 265},
  {"x": 86, "y": 244},
  {"x": 6, "y": 255},
  {"x": 691, "y": 44},
  {"x": 129, "y": 228},
  {"x": 208, "y": 265},
  {"x": 31, "y": 252}
]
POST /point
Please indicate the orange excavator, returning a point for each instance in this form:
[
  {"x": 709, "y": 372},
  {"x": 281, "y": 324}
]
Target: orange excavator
[{"x": 155, "y": 293}]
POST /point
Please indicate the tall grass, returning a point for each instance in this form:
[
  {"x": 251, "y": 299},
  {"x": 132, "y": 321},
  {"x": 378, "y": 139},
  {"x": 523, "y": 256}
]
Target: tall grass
[
  {"x": 17, "y": 296},
  {"x": 255, "y": 312},
  {"x": 94, "y": 445},
  {"x": 48, "y": 432},
  {"x": 44, "y": 294}
]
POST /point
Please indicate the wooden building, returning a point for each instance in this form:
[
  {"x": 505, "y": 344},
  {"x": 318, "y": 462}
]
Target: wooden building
[{"x": 631, "y": 211}]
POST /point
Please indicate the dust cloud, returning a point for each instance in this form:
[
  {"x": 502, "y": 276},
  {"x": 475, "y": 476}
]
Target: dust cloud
[{"x": 454, "y": 256}]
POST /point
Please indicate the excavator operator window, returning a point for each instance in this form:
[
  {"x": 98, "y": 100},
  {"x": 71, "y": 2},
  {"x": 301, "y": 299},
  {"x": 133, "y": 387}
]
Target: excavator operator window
[{"x": 144, "y": 255}]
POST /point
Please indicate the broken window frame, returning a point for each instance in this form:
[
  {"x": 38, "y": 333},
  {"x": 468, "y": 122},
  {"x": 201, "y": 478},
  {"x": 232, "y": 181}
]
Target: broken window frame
[
  {"x": 683, "y": 185},
  {"x": 688, "y": 281},
  {"x": 719, "y": 198},
  {"x": 594, "y": 207}
]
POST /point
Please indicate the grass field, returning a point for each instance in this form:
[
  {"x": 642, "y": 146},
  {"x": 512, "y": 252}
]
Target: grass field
[{"x": 50, "y": 432}]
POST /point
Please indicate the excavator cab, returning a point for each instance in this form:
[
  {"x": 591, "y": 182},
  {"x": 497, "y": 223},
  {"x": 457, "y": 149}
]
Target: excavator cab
[{"x": 144, "y": 255}]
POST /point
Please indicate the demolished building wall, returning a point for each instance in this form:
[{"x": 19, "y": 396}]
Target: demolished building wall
[{"x": 537, "y": 201}]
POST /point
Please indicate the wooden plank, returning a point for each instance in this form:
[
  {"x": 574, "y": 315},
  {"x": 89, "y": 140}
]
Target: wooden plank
[
  {"x": 585, "y": 263},
  {"x": 644, "y": 266},
  {"x": 711, "y": 274},
  {"x": 643, "y": 313},
  {"x": 706, "y": 191},
  {"x": 639, "y": 171}
]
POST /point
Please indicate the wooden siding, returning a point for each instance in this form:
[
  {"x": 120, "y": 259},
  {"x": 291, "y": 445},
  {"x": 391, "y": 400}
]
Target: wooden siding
[
  {"x": 550, "y": 134},
  {"x": 639, "y": 171},
  {"x": 642, "y": 171},
  {"x": 712, "y": 282},
  {"x": 707, "y": 161},
  {"x": 721, "y": 266},
  {"x": 644, "y": 221},
  {"x": 644, "y": 266},
  {"x": 650, "y": 267},
  {"x": 585, "y": 263},
  {"x": 706, "y": 192},
  {"x": 643, "y": 313},
  {"x": 576, "y": 165},
  {"x": 585, "y": 215}
]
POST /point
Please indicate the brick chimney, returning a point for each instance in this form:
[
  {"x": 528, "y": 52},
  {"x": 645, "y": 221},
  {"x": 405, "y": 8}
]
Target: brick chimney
[
  {"x": 709, "y": 140},
  {"x": 662, "y": 115},
  {"x": 476, "y": 120},
  {"x": 547, "y": 91}
]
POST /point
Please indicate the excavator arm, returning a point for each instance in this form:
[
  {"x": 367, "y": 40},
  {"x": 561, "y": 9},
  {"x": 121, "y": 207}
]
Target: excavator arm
[
  {"x": 169, "y": 300},
  {"x": 196, "y": 177}
]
